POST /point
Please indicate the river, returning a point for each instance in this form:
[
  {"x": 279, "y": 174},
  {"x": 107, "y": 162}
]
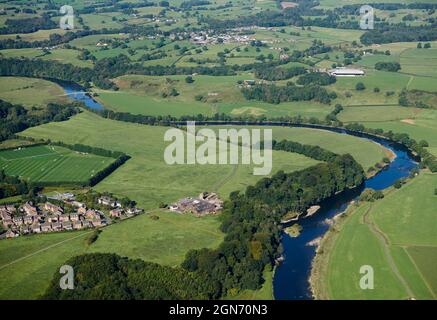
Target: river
[{"x": 291, "y": 281}]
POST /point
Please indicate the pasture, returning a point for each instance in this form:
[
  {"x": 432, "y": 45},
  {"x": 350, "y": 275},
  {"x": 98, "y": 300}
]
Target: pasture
[
  {"x": 364, "y": 151},
  {"x": 422, "y": 127},
  {"x": 30, "y": 92},
  {"x": 60, "y": 55},
  {"x": 51, "y": 164},
  {"x": 406, "y": 250}
]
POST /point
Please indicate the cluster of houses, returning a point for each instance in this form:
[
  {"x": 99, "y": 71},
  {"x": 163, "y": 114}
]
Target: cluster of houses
[
  {"x": 206, "y": 203},
  {"x": 49, "y": 217},
  {"x": 203, "y": 38}
]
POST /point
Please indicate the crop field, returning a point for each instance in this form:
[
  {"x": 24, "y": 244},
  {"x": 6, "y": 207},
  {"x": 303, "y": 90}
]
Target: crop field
[
  {"x": 51, "y": 164},
  {"x": 30, "y": 92},
  {"x": 401, "y": 253}
]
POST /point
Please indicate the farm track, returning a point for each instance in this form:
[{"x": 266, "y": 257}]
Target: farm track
[
  {"x": 43, "y": 249},
  {"x": 383, "y": 239}
]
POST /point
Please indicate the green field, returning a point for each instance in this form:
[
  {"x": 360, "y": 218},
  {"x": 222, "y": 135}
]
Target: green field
[
  {"x": 30, "y": 91},
  {"x": 423, "y": 126},
  {"x": 59, "y": 55},
  {"x": 51, "y": 164},
  {"x": 367, "y": 153},
  {"x": 396, "y": 236}
]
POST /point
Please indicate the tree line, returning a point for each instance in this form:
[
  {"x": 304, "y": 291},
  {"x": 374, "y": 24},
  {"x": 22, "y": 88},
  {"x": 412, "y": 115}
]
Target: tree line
[
  {"x": 275, "y": 74},
  {"x": 28, "y": 25},
  {"x": 15, "y": 118},
  {"x": 104, "y": 276},
  {"x": 272, "y": 93},
  {"x": 13, "y": 186}
]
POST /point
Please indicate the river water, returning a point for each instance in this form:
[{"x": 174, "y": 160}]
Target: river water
[{"x": 292, "y": 275}]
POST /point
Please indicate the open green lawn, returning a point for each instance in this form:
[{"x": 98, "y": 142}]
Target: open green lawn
[
  {"x": 51, "y": 164},
  {"x": 27, "y": 264},
  {"x": 405, "y": 218},
  {"x": 30, "y": 91},
  {"x": 425, "y": 259}
]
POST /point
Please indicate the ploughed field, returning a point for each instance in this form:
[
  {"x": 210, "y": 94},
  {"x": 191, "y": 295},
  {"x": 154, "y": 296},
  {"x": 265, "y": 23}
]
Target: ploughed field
[{"x": 51, "y": 164}]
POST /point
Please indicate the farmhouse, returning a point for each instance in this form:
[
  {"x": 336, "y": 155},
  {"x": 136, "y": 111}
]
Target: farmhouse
[
  {"x": 107, "y": 201},
  {"x": 116, "y": 213},
  {"x": 346, "y": 72},
  {"x": 206, "y": 203}
]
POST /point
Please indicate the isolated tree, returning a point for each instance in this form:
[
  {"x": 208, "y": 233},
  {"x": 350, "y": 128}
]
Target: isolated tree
[{"x": 360, "y": 86}]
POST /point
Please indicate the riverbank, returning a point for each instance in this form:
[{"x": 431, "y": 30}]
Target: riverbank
[{"x": 320, "y": 264}]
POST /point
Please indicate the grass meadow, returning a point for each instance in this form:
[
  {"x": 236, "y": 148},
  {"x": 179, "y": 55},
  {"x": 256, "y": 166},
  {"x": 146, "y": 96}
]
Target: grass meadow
[{"x": 30, "y": 92}]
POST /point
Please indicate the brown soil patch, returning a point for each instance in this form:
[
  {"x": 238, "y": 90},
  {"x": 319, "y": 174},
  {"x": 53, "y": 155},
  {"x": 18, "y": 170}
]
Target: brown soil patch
[
  {"x": 409, "y": 121},
  {"x": 287, "y": 4}
]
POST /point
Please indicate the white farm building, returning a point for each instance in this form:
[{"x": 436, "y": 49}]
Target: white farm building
[{"x": 346, "y": 72}]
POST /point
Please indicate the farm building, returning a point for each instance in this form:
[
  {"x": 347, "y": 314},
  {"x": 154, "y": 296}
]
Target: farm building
[
  {"x": 206, "y": 203},
  {"x": 346, "y": 72}
]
